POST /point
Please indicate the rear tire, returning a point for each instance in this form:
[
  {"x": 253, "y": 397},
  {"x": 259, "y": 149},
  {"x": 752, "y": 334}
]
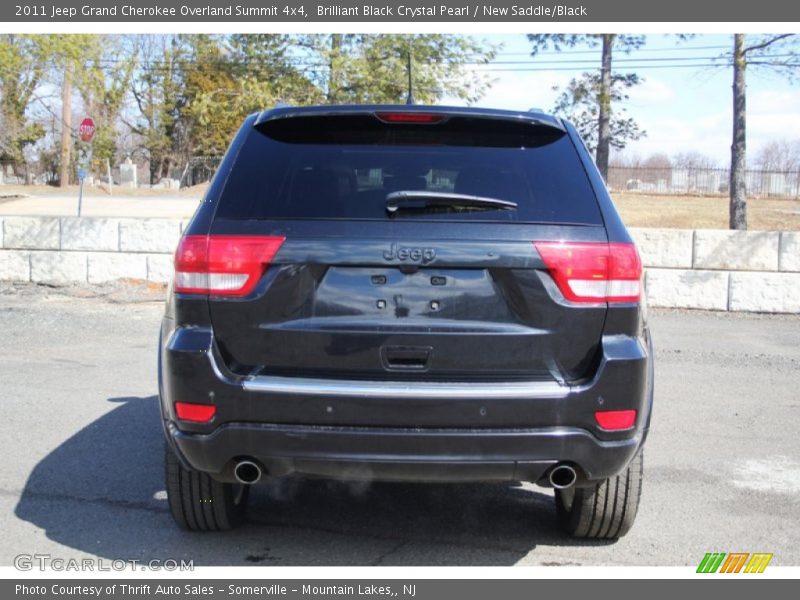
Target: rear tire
[
  {"x": 604, "y": 511},
  {"x": 198, "y": 502}
]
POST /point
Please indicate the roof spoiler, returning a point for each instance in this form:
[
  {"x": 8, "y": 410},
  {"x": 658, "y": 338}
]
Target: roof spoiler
[{"x": 280, "y": 112}]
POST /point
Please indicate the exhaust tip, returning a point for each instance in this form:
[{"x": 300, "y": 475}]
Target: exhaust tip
[
  {"x": 247, "y": 472},
  {"x": 562, "y": 477}
]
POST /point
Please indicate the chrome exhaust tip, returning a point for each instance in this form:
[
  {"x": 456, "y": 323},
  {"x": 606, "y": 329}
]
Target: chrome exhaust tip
[
  {"x": 562, "y": 477},
  {"x": 247, "y": 472}
]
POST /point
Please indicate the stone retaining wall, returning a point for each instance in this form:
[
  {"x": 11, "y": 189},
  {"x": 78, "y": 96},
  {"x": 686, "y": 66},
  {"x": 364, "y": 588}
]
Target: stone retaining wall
[
  {"x": 757, "y": 271},
  {"x": 709, "y": 269},
  {"x": 62, "y": 250}
]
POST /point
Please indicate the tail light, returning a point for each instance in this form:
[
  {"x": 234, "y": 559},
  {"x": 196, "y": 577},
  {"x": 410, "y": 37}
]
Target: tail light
[
  {"x": 593, "y": 272},
  {"x": 223, "y": 265},
  {"x": 197, "y": 413},
  {"x": 615, "y": 420}
]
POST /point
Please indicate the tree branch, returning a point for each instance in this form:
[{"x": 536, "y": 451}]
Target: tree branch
[{"x": 767, "y": 43}]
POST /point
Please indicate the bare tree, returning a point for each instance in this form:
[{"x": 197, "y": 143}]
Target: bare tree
[
  {"x": 779, "y": 156},
  {"x": 659, "y": 160},
  {"x": 157, "y": 89},
  {"x": 625, "y": 160},
  {"x": 693, "y": 160},
  {"x": 779, "y": 53},
  {"x": 21, "y": 72}
]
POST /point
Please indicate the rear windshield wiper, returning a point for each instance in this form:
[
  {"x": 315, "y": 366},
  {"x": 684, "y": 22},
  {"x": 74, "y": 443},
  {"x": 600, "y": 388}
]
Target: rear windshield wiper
[{"x": 421, "y": 199}]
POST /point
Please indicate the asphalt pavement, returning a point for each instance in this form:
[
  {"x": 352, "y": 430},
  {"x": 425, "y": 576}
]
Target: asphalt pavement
[{"x": 82, "y": 468}]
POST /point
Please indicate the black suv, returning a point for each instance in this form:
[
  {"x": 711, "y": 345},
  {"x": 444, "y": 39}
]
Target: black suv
[{"x": 406, "y": 293}]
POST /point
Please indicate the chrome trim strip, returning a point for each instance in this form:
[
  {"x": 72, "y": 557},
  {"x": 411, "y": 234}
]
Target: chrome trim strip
[{"x": 517, "y": 390}]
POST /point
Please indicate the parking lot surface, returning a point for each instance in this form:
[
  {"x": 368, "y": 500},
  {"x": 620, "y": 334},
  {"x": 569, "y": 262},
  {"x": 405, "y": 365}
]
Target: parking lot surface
[{"x": 82, "y": 468}]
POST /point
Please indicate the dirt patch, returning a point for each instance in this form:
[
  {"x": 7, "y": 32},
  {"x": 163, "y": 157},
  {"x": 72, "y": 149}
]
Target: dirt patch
[
  {"x": 195, "y": 191},
  {"x": 121, "y": 291}
]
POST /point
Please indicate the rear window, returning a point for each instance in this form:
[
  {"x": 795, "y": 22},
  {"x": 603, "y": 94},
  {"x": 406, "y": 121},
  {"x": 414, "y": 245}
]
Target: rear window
[{"x": 321, "y": 171}]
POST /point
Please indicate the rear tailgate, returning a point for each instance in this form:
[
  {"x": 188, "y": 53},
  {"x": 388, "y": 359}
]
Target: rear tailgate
[
  {"x": 479, "y": 309},
  {"x": 439, "y": 294}
]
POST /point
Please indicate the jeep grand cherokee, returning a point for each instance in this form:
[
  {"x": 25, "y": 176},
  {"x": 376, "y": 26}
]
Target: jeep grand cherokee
[{"x": 406, "y": 293}]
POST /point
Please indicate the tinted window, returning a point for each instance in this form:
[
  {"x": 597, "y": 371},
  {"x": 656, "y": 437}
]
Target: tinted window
[{"x": 311, "y": 178}]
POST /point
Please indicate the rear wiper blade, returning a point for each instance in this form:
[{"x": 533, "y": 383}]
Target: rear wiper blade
[{"x": 421, "y": 199}]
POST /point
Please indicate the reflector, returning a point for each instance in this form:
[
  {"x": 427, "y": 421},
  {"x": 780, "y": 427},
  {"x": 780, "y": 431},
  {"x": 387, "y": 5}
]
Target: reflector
[
  {"x": 198, "y": 413},
  {"x": 615, "y": 420}
]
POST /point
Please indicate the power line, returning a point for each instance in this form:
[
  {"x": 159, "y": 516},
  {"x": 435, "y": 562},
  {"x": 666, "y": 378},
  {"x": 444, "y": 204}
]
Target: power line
[
  {"x": 625, "y": 60},
  {"x": 302, "y": 62},
  {"x": 191, "y": 64},
  {"x": 699, "y": 62},
  {"x": 576, "y": 69},
  {"x": 595, "y": 51}
]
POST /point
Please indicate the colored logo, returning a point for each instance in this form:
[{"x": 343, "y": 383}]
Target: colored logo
[{"x": 735, "y": 562}]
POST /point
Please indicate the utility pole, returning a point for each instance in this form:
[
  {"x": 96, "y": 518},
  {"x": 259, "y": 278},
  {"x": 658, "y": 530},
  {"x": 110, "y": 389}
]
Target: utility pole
[{"x": 66, "y": 127}]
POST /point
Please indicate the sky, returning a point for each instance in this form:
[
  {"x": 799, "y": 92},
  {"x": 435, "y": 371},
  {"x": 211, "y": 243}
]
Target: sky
[{"x": 684, "y": 109}]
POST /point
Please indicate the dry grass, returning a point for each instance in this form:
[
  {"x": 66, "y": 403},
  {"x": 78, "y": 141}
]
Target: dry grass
[{"x": 705, "y": 212}]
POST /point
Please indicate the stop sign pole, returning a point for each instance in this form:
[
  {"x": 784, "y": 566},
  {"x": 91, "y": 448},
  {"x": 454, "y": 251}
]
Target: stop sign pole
[{"x": 85, "y": 134}]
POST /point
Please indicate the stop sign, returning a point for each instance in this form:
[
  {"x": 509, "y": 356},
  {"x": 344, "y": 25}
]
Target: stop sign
[{"x": 86, "y": 130}]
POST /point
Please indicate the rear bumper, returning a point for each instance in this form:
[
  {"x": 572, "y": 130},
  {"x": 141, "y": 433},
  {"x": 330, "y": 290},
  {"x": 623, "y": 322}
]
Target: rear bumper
[
  {"x": 402, "y": 431},
  {"x": 394, "y": 454}
]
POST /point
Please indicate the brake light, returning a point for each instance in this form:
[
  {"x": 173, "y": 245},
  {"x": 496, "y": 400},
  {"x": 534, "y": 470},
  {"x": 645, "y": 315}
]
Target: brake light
[
  {"x": 615, "y": 420},
  {"x": 223, "y": 265},
  {"x": 199, "y": 413},
  {"x": 594, "y": 272},
  {"x": 409, "y": 117}
]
